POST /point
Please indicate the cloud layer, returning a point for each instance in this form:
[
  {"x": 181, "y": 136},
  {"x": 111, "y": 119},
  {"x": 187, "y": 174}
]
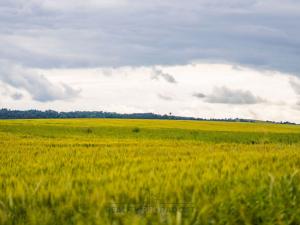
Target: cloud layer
[{"x": 89, "y": 33}]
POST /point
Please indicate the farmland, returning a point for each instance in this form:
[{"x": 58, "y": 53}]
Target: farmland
[{"x": 113, "y": 171}]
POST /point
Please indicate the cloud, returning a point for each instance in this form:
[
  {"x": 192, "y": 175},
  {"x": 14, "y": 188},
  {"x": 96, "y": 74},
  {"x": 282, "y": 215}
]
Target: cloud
[
  {"x": 224, "y": 95},
  {"x": 40, "y": 88},
  {"x": 295, "y": 84},
  {"x": 129, "y": 90},
  {"x": 17, "y": 96},
  {"x": 7, "y": 92},
  {"x": 67, "y": 6},
  {"x": 165, "y": 97},
  {"x": 157, "y": 74},
  {"x": 199, "y": 95},
  {"x": 90, "y": 33}
]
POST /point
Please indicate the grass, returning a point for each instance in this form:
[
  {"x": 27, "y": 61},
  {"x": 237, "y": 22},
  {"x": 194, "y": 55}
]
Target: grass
[{"x": 97, "y": 171}]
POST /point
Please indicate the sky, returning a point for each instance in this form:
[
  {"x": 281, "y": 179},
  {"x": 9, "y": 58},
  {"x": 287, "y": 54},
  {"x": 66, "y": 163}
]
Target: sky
[{"x": 202, "y": 58}]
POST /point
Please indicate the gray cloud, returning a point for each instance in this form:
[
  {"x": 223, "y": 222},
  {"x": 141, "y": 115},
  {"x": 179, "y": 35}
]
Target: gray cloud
[
  {"x": 199, "y": 95},
  {"x": 224, "y": 95},
  {"x": 295, "y": 84},
  {"x": 17, "y": 96},
  {"x": 259, "y": 33},
  {"x": 164, "y": 97},
  {"x": 5, "y": 91},
  {"x": 157, "y": 74},
  {"x": 36, "y": 85}
]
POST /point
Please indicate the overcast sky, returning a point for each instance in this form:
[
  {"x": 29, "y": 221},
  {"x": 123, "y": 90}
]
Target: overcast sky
[{"x": 204, "y": 58}]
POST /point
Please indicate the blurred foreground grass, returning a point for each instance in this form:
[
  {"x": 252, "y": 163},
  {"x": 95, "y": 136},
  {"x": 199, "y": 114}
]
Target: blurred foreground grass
[{"x": 97, "y": 171}]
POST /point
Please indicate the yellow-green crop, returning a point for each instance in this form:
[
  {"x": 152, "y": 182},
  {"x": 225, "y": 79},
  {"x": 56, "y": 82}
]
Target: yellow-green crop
[{"x": 109, "y": 171}]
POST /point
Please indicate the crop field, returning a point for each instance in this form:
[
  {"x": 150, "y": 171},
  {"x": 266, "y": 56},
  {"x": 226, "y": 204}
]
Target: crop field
[{"x": 127, "y": 172}]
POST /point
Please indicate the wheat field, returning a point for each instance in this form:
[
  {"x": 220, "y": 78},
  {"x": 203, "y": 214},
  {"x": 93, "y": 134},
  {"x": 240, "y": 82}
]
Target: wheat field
[{"x": 113, "y": 171}]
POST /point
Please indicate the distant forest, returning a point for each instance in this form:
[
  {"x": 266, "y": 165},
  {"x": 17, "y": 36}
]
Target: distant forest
[{"x": 51, "y": 114}]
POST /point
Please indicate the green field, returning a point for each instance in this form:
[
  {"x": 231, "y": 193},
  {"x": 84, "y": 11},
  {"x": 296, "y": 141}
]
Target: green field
[{"x": 109, "y": 171}]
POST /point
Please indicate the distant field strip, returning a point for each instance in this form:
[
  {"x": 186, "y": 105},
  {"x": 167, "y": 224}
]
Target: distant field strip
[{"x": 118, "y": 171}]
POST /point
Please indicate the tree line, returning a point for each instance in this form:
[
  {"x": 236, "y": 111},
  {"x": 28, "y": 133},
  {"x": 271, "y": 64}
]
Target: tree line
[{"x": 51, "y": 114}]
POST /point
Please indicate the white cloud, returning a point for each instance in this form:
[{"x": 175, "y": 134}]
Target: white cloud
[{"x": 132, "y": 89}]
